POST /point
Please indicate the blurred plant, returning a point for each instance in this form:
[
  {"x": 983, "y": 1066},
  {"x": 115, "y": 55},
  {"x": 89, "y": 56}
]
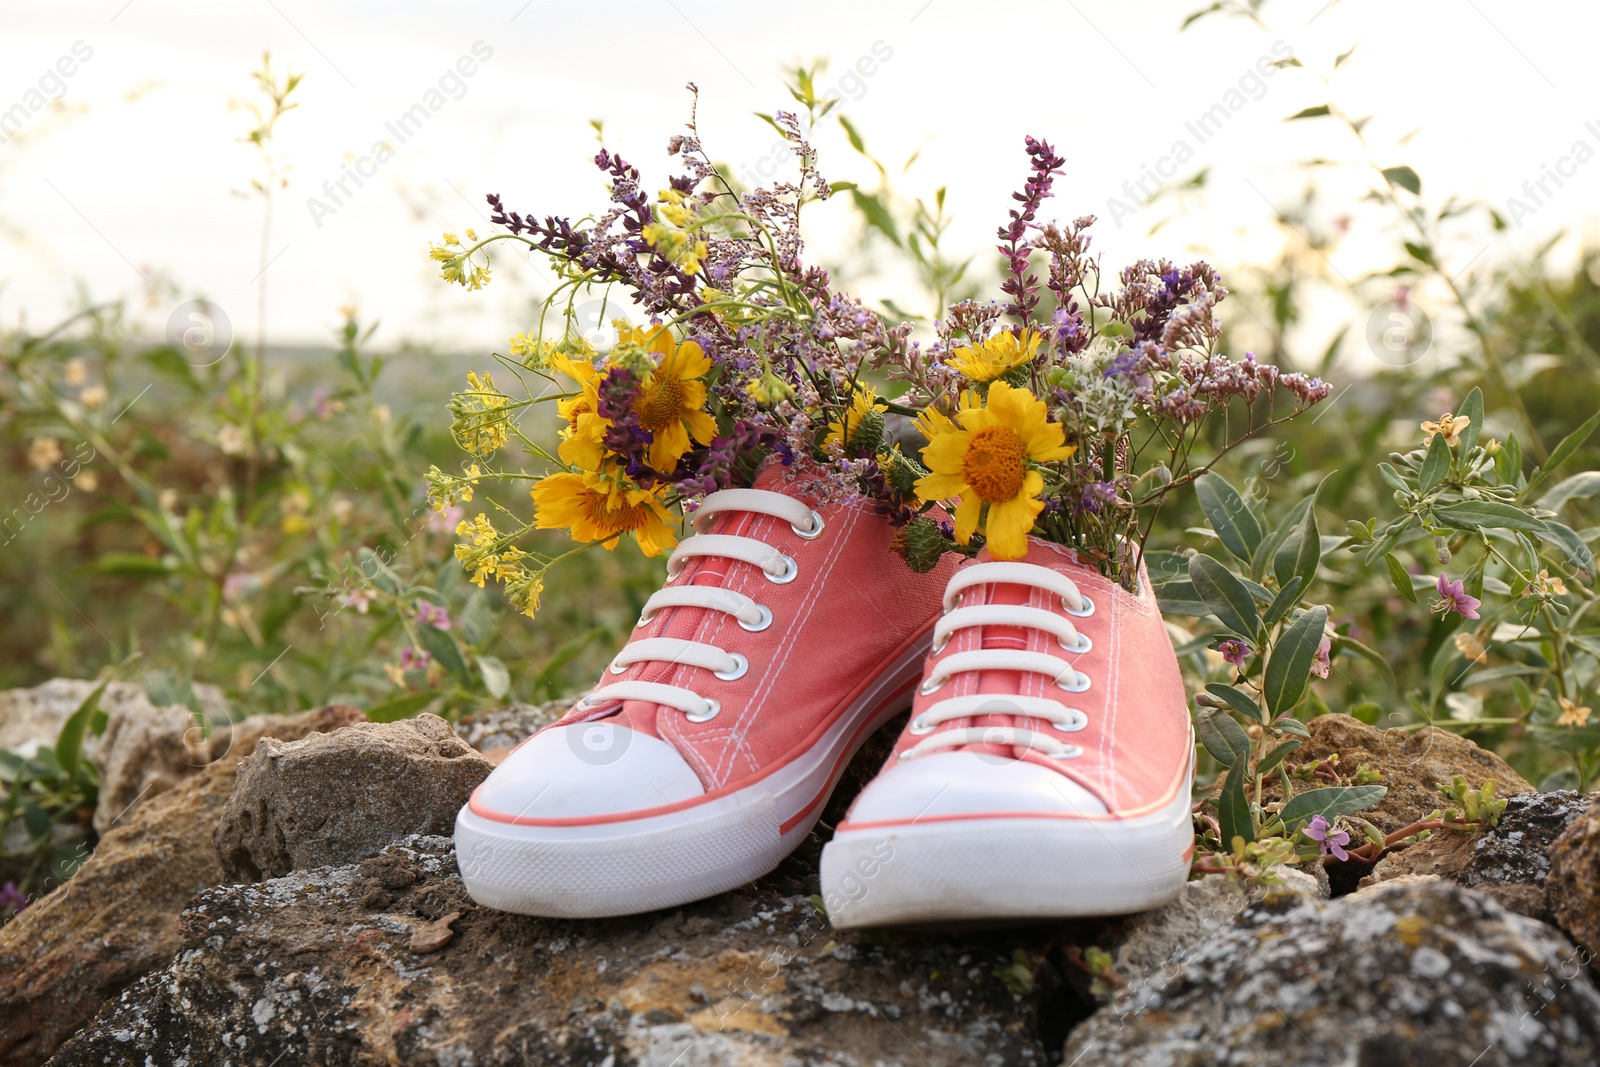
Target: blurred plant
[{"x": 49, "y": 797}]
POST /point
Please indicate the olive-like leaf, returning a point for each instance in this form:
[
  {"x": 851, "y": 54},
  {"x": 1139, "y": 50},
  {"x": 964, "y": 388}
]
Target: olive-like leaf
[
  {"x": 1288, "y": 668},
  {"x": 1228, "y": 599},
  {"x": 1235, "y": 524}
]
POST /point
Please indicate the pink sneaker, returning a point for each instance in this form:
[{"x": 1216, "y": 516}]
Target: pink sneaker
[
  {"x": 782, "y": 639},
  {"x": 1047, "y": 765}
]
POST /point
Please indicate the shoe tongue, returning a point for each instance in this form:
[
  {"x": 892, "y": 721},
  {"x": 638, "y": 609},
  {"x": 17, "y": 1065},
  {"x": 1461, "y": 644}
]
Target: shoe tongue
[{"x": 1013, "y": 637}]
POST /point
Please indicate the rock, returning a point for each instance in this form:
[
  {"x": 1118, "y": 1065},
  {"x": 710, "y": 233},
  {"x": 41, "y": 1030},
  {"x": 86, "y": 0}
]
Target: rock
[
  {"x": 1425, "y": 972},
  {"x": 147, "y": 750},
  {"x": 336, "y": 798},
  {"x": 338, "y": 965},
  {"x": 114, "y": 920},
  {"x": 1160, "y": 940},
  {"x": 1507, "y": 861},
  {"x": 33, "y": 717},
  {"x": 1413, "y": 764},
  {"x": 1572, "y": 889},
  {"x": 507, "y": 727}
]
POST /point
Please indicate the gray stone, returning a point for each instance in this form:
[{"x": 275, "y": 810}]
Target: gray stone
[
  {"x": 348, "y": 964},
  {"x": 1416, "y": 972},
  {"x": 1508, "y": 861},
  {"x": 337, "y": 798},
  {"x": 505, "y": 728}
]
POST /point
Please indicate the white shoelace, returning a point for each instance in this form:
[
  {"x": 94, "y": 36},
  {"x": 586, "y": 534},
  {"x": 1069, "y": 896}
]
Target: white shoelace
[
  {"x": 1069, "y": 679},
  {"x": 778, "y": 568}
]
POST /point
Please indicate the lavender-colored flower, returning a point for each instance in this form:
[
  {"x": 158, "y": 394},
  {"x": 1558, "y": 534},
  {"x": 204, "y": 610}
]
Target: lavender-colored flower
[
  {"x": 1322, "y": 662},
  {"x": 360, "y": 599},
  {"x": 1235, "y": 651},
  {"x": 415, "y": 659},
  {"x": 435, "y": 615},
  {"x": 1095, "y": 495},
  {"x": 1331, "y": 844},
  {"x": 12, "y": 898},
  {"x": 1454, "y": 597}
]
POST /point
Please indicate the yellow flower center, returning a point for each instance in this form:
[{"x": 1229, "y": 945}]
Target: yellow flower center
[
  {"x": 614, "y": 513},
  {"x": 660, "y": 403},
  {"x": 993, "y": 464}
]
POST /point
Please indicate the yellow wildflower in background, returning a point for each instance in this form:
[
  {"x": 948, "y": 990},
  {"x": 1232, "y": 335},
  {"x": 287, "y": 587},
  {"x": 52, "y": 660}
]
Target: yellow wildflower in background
[
  {"x": 480, "y": 416},
  {"x": 985, "y": 464},
  {"x": 1571, "y": 714},
  {"x": 672, "y": 399},
  {"x": 845, "y": 427},
  {"x": 1449, "y": 425},
  {"x": 996, "y": 356},
  {"x": 597, "y": 507}
]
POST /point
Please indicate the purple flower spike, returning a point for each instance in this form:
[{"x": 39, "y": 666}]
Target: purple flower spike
[
  {"x": 1453, "y": 597},
  {"x": 1331, "y": 844}
]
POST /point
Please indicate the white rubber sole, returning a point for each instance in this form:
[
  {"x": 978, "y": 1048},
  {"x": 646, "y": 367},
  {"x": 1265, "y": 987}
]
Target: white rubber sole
[
  {"x": 636, "y": 865},
  {"x": 1004, "y": 869}
]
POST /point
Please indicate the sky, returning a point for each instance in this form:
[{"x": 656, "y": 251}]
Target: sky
[{"x": 132, "y": 179}]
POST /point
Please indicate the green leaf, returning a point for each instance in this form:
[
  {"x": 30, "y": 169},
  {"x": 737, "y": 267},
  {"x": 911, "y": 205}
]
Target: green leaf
[
  {"x": 1569, "y": 444},
  {"x": 1435, "y": 465},
  {"x": 1329, "y": 802},
  {"x": 877, "y": 216},
  {"x": 1237, "y": 699},
  {"x": 1404, "y": 177},
  {"x": 1579, "y": 555},
  {"x": 69, "y": 742},
  {"x": 1343, "y": 57},
  {"x": 1471, "y": 408},
  {"x": 496, "y": 679},
  {"x": 1287, "y": 597},
  {"x": 1233, "y": 808},
  {"x": 1395, "y": 479},
  {"x": 1292, "y": 726},
  {"x": 1224, "y": 738},
  {"x": 477, "y": 620},
  {"x": 1508, "y": 463},
  {"x": 131, "y": 565},
  {"x": 1487, "y": 515},
  {"x": 1399, "y": 577},
  {"x": 1391, "y": 537},
  {"x": 1275, "y": 757},
  {"x": 1289, "y": 665},
  {"x": 401, "y": 707},
  {"x": 1580, "y": 486},
  {"x": 1229, "y": 515},
  {"x": 1310, "y": 113},
  {"x": 1229, "y": 600},
  {"x": 1301, "y": 553},
  {"x": 443, "y": 648},
  {"x": 854, "y": 135}
]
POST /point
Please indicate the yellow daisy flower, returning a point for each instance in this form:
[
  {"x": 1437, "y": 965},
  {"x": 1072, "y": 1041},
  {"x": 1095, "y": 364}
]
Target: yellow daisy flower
[
  {"x": 864, "y": 402},
  {"x": 581, "y": 440},
  {"x": 672, "y": 401},
  {"x": 595, "y": 507},
  {"x": 995, "y": 356},
  {"x": 985, "y": 464}
]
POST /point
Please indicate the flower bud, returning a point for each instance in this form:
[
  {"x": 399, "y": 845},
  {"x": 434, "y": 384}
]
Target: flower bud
[{"x": 920, "y": 543}]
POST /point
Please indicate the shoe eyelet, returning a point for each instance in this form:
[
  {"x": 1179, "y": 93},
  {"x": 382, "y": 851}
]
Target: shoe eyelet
[
  {"x": 811, "y": 534},
  {"x": 790, "y": 571},
  {"x": 1069, "y": 752},
  {"x": 1077, "y": 722},
  {"x": 617, "y": 668},
  {"x": 644, "y": 620},
  {"x": 918, "y": 727},
  {"x": 931, "y": 685},
  {"x": 710, "y": 712},
  {"x": 940, "y": 645},
  {"x": 760, "y": 624},
  {"x": 1083, "y": 612},
  {"x": 1080, "y": 682},
  {"x": 955, "y": 602},
  {"x": 740, "y": 665},
  {"x": 1082, "y": 645}
]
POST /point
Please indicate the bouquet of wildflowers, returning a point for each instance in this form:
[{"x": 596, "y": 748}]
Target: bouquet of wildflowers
[{"x": 1071, "y": 422}]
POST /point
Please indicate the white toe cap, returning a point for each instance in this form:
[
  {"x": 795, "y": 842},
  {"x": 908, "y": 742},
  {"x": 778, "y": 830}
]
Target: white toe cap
[
  {"x": 970, "y": 783},
  {"x": 588, "y": 769}
]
